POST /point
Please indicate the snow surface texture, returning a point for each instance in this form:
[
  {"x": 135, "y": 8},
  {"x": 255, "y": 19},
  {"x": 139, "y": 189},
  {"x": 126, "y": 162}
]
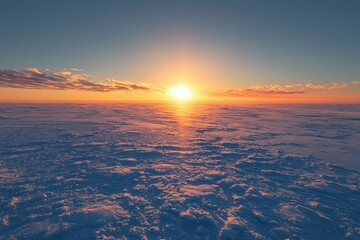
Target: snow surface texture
[{"x": 135, "y": 171}]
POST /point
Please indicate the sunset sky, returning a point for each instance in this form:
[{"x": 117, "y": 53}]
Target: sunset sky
[{"x": 282, "y": 51}]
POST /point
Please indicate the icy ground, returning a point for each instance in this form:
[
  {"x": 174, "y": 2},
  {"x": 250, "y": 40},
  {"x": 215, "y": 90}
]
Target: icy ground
[{"x": 135, "y": 171}]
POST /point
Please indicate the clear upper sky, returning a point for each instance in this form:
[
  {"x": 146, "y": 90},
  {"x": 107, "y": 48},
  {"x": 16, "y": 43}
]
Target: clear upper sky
[{"x": 224, "y": 43}]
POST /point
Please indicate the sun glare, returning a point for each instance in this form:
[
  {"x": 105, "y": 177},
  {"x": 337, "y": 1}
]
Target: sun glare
[{"x": 180, "y": 92}]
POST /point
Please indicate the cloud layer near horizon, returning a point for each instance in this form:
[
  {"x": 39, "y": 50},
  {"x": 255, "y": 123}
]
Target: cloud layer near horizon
[
  {"x": 278, "y": 89},
  {"x": 33, "y": 78},
  {"x": 75, "y": 79}
]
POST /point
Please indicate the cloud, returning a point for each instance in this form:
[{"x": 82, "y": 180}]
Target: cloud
[
  {"x": 326, "y": 86},
  {"x": 76, "y": 69},
  {"x": 256, "y": 91},
  {"x": 275, "y": 89},
  {"x": 34, "y": 70},
  {"x": 356, "y": 82},
  {"x": 33, "y": 78},
  {"x": 261, "y": 90}
]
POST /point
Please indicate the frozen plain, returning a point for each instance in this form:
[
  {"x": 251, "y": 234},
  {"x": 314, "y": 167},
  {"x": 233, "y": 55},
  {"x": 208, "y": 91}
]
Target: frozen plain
[{"x": 143, "y": 171}]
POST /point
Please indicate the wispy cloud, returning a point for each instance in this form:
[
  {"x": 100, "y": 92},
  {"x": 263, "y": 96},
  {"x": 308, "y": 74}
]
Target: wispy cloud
[
  {"x": 34, "y": 70},
  {"x": 275, "y": 89},
  {"x": 266, "y": 90},
  {"x": 326, "y": 86},
  {"x": 67, "y": 79}
]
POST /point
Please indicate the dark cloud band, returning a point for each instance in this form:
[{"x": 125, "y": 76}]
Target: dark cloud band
[{"x": 33, "y": 78}]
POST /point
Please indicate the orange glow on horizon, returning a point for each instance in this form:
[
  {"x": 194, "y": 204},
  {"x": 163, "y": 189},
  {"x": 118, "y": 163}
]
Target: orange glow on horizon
[{"x": 197, "y": 95}]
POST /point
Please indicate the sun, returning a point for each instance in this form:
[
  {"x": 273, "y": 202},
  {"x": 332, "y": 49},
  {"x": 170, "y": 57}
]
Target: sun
[{"x": 180, "y": 92}]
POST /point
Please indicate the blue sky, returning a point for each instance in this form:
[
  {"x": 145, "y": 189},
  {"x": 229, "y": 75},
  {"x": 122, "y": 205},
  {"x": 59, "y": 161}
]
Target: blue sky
[{"x": 242, "y": 43}]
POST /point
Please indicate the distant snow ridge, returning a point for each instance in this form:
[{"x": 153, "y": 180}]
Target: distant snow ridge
[{"x": 143, "y": 172}]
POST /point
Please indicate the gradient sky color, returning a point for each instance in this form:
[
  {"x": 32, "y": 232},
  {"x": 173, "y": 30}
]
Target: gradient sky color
[{"x": 213, "y": 44}]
